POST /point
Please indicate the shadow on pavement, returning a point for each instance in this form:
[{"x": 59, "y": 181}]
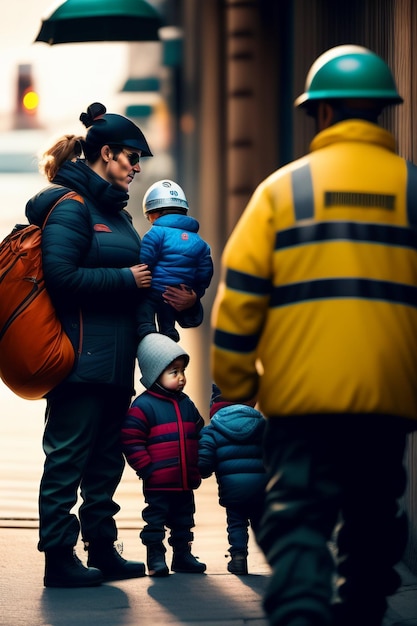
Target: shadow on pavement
[
  {"x": 105, "y": 606},
  {"x": 215, "y": 598}
]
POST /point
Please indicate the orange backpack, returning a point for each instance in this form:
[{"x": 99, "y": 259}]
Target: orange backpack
[{"x": 35, "y": 352}]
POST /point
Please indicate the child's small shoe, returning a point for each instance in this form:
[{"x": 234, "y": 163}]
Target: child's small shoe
[
  {"x": 157, "y": 566},
  {"x": 238, "y": 564},
  {"x": 185, "y": 562}
]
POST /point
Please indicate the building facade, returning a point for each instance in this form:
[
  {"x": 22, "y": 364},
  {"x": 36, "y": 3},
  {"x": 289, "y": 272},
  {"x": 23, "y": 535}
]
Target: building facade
[{"x": 242, "y": 64}]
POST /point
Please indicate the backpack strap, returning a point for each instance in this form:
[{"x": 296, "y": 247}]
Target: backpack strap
[{"x": 70, "y": 195}]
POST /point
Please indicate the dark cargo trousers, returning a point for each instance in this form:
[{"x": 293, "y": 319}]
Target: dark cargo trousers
[
  {"x": 82, "y": 447},
  {"x": 325, "y": 470}
]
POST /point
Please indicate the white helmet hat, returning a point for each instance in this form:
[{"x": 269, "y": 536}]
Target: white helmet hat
[{"x": 163, "y": 194}]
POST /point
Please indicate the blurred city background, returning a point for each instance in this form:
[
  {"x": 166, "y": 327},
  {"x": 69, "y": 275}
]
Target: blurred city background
[{"x": 213, "y": 93}]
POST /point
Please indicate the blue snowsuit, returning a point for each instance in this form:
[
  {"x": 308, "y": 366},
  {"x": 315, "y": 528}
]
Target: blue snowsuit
[{"x": 231, "y": 447}]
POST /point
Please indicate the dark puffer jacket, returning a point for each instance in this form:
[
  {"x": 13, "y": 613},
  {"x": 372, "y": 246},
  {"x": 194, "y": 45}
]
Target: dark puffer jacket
[
  {"x": 87, "y": 250},
  {"x": 231, "y": 447},
  {"x": 160, "y": 440}
]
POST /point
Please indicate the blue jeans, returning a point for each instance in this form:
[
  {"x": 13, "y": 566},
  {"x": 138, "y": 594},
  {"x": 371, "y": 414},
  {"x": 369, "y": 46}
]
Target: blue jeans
[{"x": 239, "y": 517}]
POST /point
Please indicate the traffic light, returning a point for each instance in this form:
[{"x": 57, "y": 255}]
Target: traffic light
[
  {"x": 27, "y": 99},
  {"x": 30, "y": 101}
]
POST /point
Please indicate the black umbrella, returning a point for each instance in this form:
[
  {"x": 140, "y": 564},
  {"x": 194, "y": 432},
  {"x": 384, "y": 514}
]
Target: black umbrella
[{"x": 101, "y": 20}]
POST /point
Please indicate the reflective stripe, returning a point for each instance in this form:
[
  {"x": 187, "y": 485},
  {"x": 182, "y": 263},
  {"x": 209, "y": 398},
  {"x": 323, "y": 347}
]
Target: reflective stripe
[
  {"x": 411, "y": 193},
  {"x": 235, "y": 343},
  {"x": 387, "y": 235},
  {"x": 353, "y": 288},
  {"x": 246, "y": 283},
  {"x": 302, "y": 191}
]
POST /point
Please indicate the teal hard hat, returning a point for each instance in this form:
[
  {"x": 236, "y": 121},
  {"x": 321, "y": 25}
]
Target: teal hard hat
[{"x": 349, "y": 72}]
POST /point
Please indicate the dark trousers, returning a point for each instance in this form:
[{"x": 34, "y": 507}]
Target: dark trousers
[
  {"x": 154, "y": 310},
  {"x": 168, "y": 509},
  {"x": 82, "y": 447},
  {"x": 238, "y": 520},
  {"x": 321, "y": 471}
]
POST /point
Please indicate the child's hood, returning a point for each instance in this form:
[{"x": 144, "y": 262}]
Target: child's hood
[
  {"x": 238, "y": 422},
  {"x": 176, "y": 220}
]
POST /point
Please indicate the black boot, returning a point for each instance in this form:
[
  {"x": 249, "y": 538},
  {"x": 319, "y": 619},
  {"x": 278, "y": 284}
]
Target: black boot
[
  {"x": 156, "y": 560},
  {"x": 183, "y": 561},
  {"x": 104, "y": 556},
  {"x": 238, "y": 564},
  {"x": 64, "y": 569}
]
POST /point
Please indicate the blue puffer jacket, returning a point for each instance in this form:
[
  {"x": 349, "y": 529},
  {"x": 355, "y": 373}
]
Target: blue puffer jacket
[
  {"x": 231, "y": 447},
  {"x": 87, "y": 250},
  {"x": 176, "y": 254}
]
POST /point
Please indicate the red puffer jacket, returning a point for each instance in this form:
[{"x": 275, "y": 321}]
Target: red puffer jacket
[{"x": 160, "y": 440}]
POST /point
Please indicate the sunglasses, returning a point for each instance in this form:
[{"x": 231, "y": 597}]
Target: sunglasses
[{"x": 132, "y": 157}]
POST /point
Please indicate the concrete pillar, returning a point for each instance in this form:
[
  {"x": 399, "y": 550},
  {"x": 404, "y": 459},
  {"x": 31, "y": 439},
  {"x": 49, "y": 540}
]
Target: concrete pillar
[{"x": 242, "y": 25}]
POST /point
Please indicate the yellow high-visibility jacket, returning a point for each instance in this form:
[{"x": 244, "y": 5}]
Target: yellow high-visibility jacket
[{"x": 317, "y": 308}]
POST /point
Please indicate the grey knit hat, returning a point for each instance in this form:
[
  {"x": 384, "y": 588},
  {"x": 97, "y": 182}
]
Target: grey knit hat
[{"x": 155, "y": 353}]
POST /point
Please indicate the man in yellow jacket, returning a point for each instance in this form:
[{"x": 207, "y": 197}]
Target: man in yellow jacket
[{"x": 316, "y": 316}]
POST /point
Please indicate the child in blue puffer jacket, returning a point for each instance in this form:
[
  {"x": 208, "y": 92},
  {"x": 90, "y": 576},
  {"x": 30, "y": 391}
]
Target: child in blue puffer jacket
[
  {"x": 231, "y": 447},
  {"x": 177, "y": 257}
]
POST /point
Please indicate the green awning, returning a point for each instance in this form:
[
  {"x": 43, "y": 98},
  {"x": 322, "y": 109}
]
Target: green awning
[{"x": 151, "y": 83}]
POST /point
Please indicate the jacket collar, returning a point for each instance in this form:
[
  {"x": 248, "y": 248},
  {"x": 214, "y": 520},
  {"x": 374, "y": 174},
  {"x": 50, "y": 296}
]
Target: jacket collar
[
  {"x": 78, "y": 176},
  {"x": 158, "y": 390},
  {"x": 355, "y": 131}
]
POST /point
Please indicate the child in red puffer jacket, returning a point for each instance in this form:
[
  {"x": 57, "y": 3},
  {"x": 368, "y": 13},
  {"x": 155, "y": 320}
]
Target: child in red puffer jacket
[{"x": 160, "y": 442}]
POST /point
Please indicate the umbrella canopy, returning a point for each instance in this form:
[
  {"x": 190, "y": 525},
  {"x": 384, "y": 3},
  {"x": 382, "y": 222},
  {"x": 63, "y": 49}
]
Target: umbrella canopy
[{"x": 76, "y": 21}]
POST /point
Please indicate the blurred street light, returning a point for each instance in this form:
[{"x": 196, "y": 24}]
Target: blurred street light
[{"x": 77, "y": 21}]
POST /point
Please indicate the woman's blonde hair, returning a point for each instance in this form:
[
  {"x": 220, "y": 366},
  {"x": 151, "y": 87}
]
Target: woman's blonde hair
[{"x": 67, "y": 148}]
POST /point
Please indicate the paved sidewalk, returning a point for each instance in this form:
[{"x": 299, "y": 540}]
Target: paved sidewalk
[{"x": 216, "y": 598}]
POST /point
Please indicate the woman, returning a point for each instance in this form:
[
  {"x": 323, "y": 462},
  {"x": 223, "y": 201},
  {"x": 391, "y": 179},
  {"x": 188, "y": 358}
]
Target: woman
[{"x": 90, "y": 258}]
